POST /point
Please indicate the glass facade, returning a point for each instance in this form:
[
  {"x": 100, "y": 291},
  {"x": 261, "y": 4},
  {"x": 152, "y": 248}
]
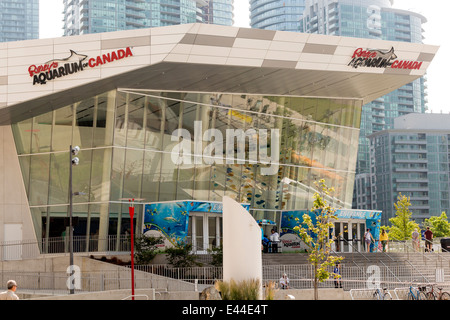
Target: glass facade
[
  {"x": 96, "y": 16},
  {"x": 282, "y": 15},
  {"x": 129, "y": 140},
  {"x": 19, "y": 20}
]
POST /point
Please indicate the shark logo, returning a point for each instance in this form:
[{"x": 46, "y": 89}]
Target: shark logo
[{"x": 74, "y": 57}]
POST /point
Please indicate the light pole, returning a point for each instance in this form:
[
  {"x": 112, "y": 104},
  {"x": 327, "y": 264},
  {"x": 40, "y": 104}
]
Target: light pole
[{"x": 73, "y": 162}]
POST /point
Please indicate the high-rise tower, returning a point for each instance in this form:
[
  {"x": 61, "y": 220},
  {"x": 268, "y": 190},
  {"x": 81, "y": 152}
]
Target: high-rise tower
[
  {"x": 19, "y": 20},
  {"x": 282, "y": 15},
  {"x": 95, "y": 16}
]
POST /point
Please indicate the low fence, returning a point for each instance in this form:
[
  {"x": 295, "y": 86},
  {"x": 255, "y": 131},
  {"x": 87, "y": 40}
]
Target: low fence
[{"x": 165, "y": 278}]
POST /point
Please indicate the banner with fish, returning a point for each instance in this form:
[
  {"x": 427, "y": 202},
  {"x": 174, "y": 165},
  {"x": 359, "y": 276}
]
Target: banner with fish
[{"x": 172, "y": 218}]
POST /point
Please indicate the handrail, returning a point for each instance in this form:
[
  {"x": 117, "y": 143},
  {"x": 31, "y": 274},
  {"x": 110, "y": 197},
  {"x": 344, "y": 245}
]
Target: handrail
[
  {"x": 355, "y": 249},
  {"x": 440, "y": 257},
  {"x": 417, "y": 271},
  {"x": 389, "y": 269}
]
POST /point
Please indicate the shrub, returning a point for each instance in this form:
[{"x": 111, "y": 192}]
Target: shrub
[
  {"x": 146, "y": 248},
  {"x": 243, "y": 290}
]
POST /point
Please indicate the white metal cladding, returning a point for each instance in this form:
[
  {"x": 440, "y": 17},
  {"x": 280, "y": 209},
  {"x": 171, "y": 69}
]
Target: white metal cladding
[{"x": 206, "y": 58}]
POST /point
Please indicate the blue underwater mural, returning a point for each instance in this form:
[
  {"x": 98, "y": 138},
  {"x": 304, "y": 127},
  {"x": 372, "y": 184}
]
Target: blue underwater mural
[
  {"x": 372, "y": 219},
  {"x": 172, "y": 218}
]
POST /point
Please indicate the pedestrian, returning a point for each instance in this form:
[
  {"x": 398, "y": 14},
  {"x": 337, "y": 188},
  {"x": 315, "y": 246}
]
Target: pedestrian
[
  {"x": 384, "y": 238},
  {"x": 284, "y": 282},
  {"x": 337, "y": 276},
  {"x": 10, "y": 294},
  {"x": 428, "y": 240},
  {"x": 415, "y": 240},
  {"x": 275, "y": 239},
  {"x": 368, "y": 239}
]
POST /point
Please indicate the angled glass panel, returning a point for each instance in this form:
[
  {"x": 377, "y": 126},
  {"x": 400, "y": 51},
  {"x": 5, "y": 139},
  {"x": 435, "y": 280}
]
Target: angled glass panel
[{"x": 62, "y": 130}]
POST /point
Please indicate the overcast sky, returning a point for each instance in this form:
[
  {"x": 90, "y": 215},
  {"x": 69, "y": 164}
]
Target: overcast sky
[{"x": 436, "y": 12}]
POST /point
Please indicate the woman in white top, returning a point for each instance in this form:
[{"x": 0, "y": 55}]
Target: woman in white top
[{"x": 368, "y": 239}]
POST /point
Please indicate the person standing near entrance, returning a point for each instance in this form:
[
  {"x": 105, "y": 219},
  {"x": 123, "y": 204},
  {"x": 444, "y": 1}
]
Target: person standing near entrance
[
  {"x": 11, "y": 293},
  {"x": 384, "y": 238},
  {"x": 337, "y": 276},
  {"x": 368, "y": 239},
  {"x": 274, "y": 239}
]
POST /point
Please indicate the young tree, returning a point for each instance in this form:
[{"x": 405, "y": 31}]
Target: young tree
[
  {"x": 402, "y": 225},
  {"x": 314, "y": 233},
  {"x": 439, "y": 225}
]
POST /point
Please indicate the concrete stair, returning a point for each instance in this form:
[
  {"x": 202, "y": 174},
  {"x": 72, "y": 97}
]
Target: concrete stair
[{"x": 395, "y": 267}]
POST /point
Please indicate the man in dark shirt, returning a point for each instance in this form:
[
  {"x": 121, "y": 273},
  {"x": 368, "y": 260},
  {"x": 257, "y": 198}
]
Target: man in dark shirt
[{"x": 428, "y": 240}]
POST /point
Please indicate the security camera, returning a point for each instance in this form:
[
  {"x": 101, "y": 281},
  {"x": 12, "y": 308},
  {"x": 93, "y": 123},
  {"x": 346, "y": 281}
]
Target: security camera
[
  {"x": 75, "y": 161},
  {"x": 75, "y": 150}
]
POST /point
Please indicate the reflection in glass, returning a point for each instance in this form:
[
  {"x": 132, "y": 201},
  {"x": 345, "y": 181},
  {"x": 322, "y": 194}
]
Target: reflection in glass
[{"x": 126, "y": 141}]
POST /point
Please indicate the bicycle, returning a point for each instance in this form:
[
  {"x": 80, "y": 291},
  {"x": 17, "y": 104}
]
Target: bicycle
[
  {"x": 416, "y": 293},
  {"x": 433, "y": 295},
  {"x": 382, "y": 295}
]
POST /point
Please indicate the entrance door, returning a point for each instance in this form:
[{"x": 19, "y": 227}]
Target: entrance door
[{"x": 204, "y": 231}]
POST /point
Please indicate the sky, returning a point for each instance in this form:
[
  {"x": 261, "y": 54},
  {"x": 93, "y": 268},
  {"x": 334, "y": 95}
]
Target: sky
[{"x": 436, "y": 12}]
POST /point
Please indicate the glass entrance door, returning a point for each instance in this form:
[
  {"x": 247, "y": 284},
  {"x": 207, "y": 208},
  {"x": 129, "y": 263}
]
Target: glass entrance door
[{"x": 204, "y": 231}]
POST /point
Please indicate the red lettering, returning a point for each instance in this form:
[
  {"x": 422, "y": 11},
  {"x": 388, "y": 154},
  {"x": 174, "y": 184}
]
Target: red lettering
[
  {"x": 357, "y": 53},
  {"x": 394, "y": 64},
  {"x": 419, "y": 65},
  {"x": 92, "y": 62},
  {"x": 121, "y": 54},
  {"x": 113, "y": 56},
  {"x": 33, "y": 69},
  {"x": 99, "y": 61},
  {"x": 106, "y": 58},
  {"x": 362, "y": 53},
  {"x": 128, "y": 53}
]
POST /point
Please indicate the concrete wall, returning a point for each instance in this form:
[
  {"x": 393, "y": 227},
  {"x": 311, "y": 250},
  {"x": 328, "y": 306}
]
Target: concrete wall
[
  {"x": 140, "y": 294},
  {"x": 14, "y": 208}
]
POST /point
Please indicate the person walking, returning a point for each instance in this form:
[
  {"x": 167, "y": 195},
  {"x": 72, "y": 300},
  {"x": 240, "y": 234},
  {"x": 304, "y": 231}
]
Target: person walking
[
  {"x": 10, "y": 294},
  {"x": 428, "y": 240},
  {"x": 368, "y": 239},
  {"x": 415, "y": 240}
]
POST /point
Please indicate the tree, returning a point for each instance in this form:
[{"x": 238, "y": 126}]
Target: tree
[
  {"x": 402, "y": 225},
  {"x": 314, "y": 233},
  {"x": 439, "y": 225},
  {"x": 146, "y": 248}
]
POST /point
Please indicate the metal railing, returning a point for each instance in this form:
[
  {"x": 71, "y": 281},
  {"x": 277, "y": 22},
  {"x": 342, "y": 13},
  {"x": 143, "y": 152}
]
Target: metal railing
[{"x": 29, "y": 249}]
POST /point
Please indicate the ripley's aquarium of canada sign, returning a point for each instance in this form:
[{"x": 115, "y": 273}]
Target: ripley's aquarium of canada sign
[
  {"x": 74, "y": 63},
  {"x": 375, "y": 58}
]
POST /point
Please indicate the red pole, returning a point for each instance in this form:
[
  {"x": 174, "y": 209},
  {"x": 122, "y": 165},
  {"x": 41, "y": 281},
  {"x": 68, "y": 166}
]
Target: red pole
[{"x": 131, "y": 209}]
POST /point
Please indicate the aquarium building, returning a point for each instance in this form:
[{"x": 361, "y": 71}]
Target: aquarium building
[{"x": 181, "y": 114}]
